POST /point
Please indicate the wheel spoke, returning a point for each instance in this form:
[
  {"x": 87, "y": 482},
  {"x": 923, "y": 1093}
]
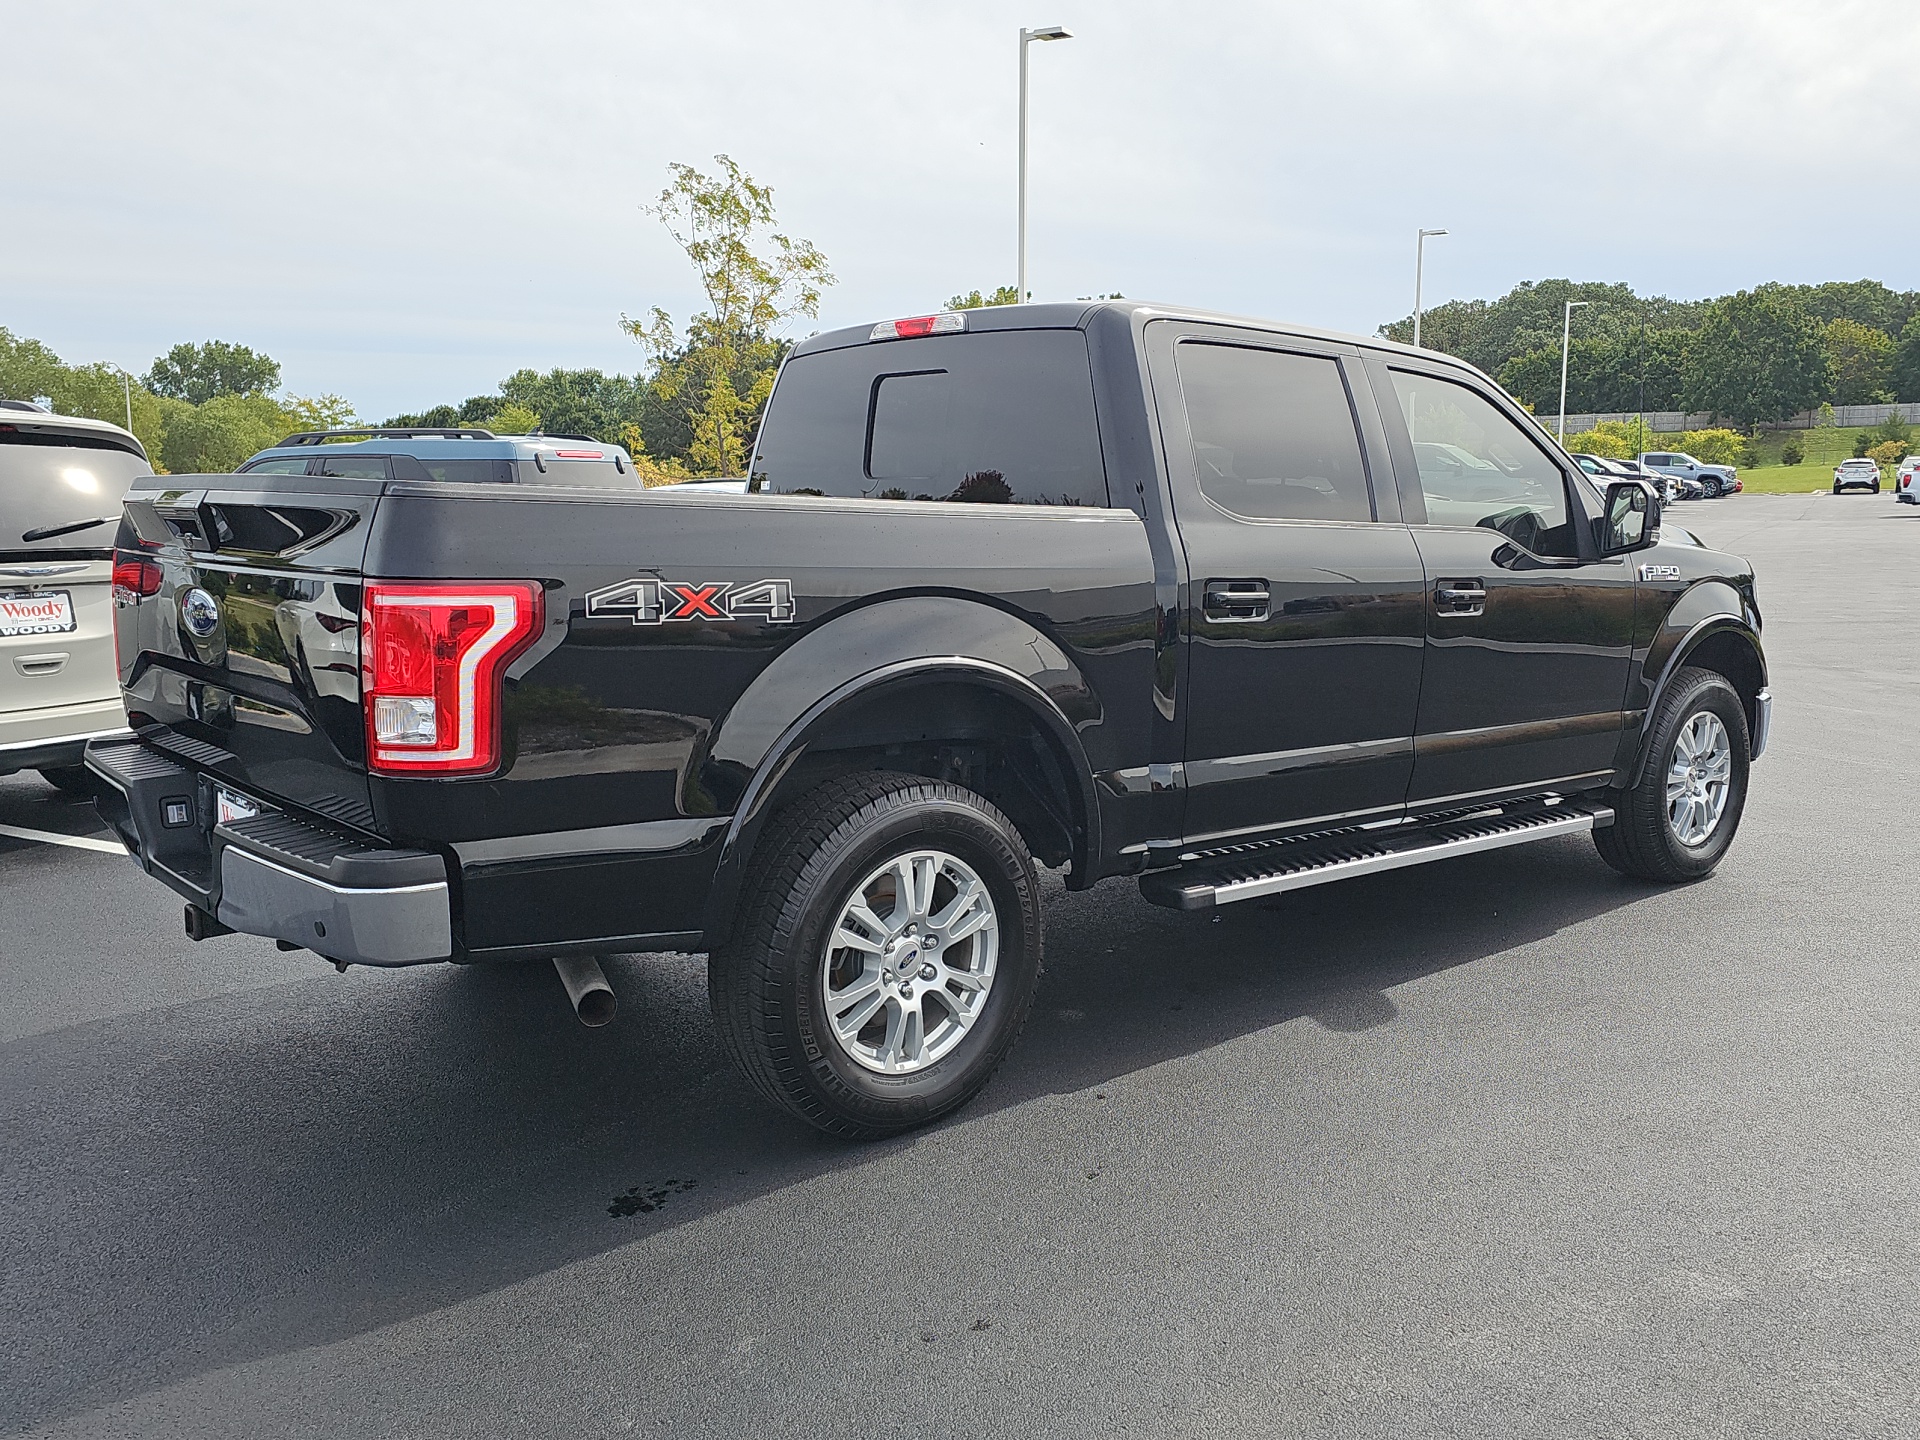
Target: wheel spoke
[
  {"x": 848, "y": 937},
  {"x": 904, "y": 1030},
  {"x": 968, "y": 981}
]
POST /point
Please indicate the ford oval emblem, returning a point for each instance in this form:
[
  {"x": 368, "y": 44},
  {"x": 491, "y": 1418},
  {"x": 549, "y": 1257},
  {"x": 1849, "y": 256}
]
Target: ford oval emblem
[{"x": 200, "y": 612}]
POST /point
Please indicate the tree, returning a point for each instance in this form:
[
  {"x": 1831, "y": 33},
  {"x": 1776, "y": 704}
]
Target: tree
[
  {"x": 756, "y": 279},
  {"x": 1862, "y": 360},
  {"x": 197, "y": 373},
  {"x": 1904, "y": 374},
  {"x": 1758, "y": 356},
  {"x": 974, "y": 300},
  {"x": 319, "y": 412},
  {"x": 219, "y": 434}
]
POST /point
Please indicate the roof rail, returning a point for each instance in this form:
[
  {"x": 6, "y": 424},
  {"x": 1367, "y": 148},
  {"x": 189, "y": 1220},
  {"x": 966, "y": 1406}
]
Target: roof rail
[{"x": 317, "y": 437}]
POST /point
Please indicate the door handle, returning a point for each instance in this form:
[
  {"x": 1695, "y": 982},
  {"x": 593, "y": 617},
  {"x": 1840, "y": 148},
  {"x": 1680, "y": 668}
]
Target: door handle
[
  {"x": 1237, "y": 600},
  {"x": 1460, "y": 597}
]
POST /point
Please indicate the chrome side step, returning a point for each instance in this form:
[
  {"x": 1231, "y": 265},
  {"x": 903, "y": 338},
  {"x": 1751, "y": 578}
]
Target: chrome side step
[{"x": 1252, "y": 871}]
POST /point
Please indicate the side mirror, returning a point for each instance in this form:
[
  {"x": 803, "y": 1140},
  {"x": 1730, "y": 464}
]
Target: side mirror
[{"x": 1632, "y": 521}]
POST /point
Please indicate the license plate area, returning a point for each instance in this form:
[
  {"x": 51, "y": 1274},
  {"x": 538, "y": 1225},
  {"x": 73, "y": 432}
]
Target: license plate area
[
  {"x": 229, "y": 807},
  {"x": 37, "y": 612}
]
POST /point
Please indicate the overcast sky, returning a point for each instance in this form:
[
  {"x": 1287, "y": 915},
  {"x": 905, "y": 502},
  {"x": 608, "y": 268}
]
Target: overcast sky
[{"x": 403, "y": 201}]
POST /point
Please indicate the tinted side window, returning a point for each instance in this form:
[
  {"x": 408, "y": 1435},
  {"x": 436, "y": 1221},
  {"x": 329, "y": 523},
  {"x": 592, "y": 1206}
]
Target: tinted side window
[
  {"x": 1478, "y": 468},
  {"x": 1004, "y": 417},
  {"x": 1273, "y": 434},
  {"x": 353, "y": 467},
  {"x": 281, "y": 465}
]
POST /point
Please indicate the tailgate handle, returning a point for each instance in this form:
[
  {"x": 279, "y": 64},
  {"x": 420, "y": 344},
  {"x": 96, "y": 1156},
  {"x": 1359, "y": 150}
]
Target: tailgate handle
[
  {"x": 33, "y": 665},
  {"x": 1237, "y": 600}
]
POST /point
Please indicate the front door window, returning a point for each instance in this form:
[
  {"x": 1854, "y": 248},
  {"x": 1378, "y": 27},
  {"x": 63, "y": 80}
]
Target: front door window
[{"x": 1478, "y": 469}]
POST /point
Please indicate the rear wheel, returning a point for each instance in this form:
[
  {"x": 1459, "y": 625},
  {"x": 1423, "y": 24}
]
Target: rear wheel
[
  {"x": 885, "y": 954},
  {"x": 1676, "y": 824}
]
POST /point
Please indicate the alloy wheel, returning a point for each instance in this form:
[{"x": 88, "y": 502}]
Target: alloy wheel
[
  {"x": 910, "y": 962},
  {"x": 1699, "y": 778}
]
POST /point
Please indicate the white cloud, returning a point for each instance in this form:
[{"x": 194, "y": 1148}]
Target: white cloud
[{"x": 405, "y": 201}]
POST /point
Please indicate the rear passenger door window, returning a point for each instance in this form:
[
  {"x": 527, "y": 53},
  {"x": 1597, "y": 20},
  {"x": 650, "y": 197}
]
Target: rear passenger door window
[
  {"x": 1273, "y": 433},
  {"x": 281, "y": 465}
]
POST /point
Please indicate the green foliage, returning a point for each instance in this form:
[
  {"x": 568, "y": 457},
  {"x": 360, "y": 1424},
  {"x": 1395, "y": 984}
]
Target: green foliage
[
  {"x": 512, "y": 419},
  {"x": 1887, "y": 454},
  {"x": 1862, "y": 361},
  {"x": 1792, "y": 453},
  {"x": 219, "y": 434},
  {"x": 719, "y": 374},
  {"x": 1604, "y": 372},
  {"x": 319, "y": 412},
  {"x": 198, "y": 373},
  {"x": 974, "y": 300},
  {"x": 1527, "y": 319},
  {"x": 1713, "y": 447},
  {"x": 1757, "y": 356},
  {"x": 1597, "y": 442},
  {"x": 1904, "y": 374},
  {"x": 1890, "y": 431}
]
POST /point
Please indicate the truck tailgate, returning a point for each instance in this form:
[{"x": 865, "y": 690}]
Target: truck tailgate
[{"x": 239, "y": 651}]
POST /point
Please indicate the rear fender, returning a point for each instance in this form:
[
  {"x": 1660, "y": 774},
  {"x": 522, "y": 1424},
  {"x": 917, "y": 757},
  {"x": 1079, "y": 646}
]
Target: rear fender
[{"x": 884, "y": 648}]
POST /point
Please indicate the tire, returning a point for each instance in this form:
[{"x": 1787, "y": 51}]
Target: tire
[
  {"x": 74, "y": 780},
  {"x": 772, "y": 983},
  {"x": 1876, "y": 487},
  {"x": 1836, "y": 487},
  {"x": 1644, "y": 840}
]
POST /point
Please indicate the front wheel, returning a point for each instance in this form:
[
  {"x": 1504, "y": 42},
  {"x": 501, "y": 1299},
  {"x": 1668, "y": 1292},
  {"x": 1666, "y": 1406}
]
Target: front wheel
[
  {"x": 1676, "y": 824},
  {"x": 885, "y": 954}
]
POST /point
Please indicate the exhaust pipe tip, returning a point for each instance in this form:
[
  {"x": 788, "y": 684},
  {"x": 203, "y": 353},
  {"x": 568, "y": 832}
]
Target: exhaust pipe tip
[{"x": 587, "y": 989}]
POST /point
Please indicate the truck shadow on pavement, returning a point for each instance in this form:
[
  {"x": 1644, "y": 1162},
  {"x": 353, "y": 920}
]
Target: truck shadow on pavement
[{"x": 198, "y": 1186}]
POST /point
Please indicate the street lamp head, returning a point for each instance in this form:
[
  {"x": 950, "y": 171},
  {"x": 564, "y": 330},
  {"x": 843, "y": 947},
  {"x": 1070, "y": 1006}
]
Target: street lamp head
[
  {"x": 1047, "y": 32},
  {"x": 1425, "y": 233}
]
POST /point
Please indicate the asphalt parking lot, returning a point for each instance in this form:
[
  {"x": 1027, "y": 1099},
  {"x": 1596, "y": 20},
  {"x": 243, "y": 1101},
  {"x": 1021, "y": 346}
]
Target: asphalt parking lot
[{"x": 1508, "y": 1145}]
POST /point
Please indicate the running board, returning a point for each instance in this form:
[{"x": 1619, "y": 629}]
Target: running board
[{"x": 1247, "y": 872}]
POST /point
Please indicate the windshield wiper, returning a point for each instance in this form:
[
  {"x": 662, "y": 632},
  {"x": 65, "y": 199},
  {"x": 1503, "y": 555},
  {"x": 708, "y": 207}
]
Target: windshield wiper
[{"x": 49, "y": 531}]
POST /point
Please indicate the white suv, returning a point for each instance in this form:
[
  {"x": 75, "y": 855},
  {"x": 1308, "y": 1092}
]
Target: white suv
[
  {"x": 61, "y": 483},
  {"x": 1856, "y": 475},
  {"x": 1906, "y": 481}
]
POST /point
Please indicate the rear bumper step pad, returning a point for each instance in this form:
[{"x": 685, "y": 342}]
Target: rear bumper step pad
[
  {"x": 1253, "y": 871},
  {"x": 274, "y": 874}
]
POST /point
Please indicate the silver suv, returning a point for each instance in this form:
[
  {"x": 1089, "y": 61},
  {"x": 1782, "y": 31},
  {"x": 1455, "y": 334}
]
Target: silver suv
[
  {"x": 61, "y": 483},
  {"x": 1718, "y": 480}
]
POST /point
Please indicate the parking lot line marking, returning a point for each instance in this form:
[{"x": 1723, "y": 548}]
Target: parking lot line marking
[{"x": 79, "y": 842}]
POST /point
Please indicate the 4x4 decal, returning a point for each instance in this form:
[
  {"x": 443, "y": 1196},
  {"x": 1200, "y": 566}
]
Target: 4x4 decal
[{"x": 654, "y": 602}]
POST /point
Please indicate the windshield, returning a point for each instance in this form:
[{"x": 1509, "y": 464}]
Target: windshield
[{"x": 47, "y": 486}]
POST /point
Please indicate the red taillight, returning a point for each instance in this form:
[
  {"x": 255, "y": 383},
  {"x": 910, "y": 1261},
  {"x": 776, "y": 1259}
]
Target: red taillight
[
  {"x": 432, "y": 657},
  {"x": 950, "y": 323},
  {"x": 578, "y": 455},
  {"x": 135, "y": 576}
]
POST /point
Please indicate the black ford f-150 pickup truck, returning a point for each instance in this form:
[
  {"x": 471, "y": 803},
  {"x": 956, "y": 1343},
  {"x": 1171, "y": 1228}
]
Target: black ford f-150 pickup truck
[{"x": 1231, "y": 607}]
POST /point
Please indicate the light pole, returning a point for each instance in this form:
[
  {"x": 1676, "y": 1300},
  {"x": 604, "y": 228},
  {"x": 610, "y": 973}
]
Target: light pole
[
  {"x": 1419, "y": 265},
  {"x": 1027, "y": 37},
  {"x": 126, "y": 384},
  {"x": 1566, "y": 338}
]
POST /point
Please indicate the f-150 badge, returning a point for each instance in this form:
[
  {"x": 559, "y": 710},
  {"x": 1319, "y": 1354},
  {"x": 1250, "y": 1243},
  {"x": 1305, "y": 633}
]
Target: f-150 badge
[
  {"x": 654, "y": 602},
  {"x": 1659, "y": 572}
]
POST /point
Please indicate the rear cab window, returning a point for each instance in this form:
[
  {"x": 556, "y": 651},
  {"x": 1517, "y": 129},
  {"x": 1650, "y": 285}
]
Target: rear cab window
[{"x": 1000, "y": 417}]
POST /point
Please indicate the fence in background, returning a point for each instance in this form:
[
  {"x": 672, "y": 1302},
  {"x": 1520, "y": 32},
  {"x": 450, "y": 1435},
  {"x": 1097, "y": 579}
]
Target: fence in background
[{"x": 1669, "y": 422}]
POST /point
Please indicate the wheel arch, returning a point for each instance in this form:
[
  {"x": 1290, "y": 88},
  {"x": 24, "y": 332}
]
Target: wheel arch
[
  {"x": 1001, "y": 722},
  {"x": 1722, "y": 642}
]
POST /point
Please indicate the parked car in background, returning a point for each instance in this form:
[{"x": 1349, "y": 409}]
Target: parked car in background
[
  {"x": 1906, "y": 482},
  {"x": 1715, "y": 480},
  {"x": 1860, "y": 474},
  {"x": 466, "y": 456},
  {"x": 61, "y": 482}
]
